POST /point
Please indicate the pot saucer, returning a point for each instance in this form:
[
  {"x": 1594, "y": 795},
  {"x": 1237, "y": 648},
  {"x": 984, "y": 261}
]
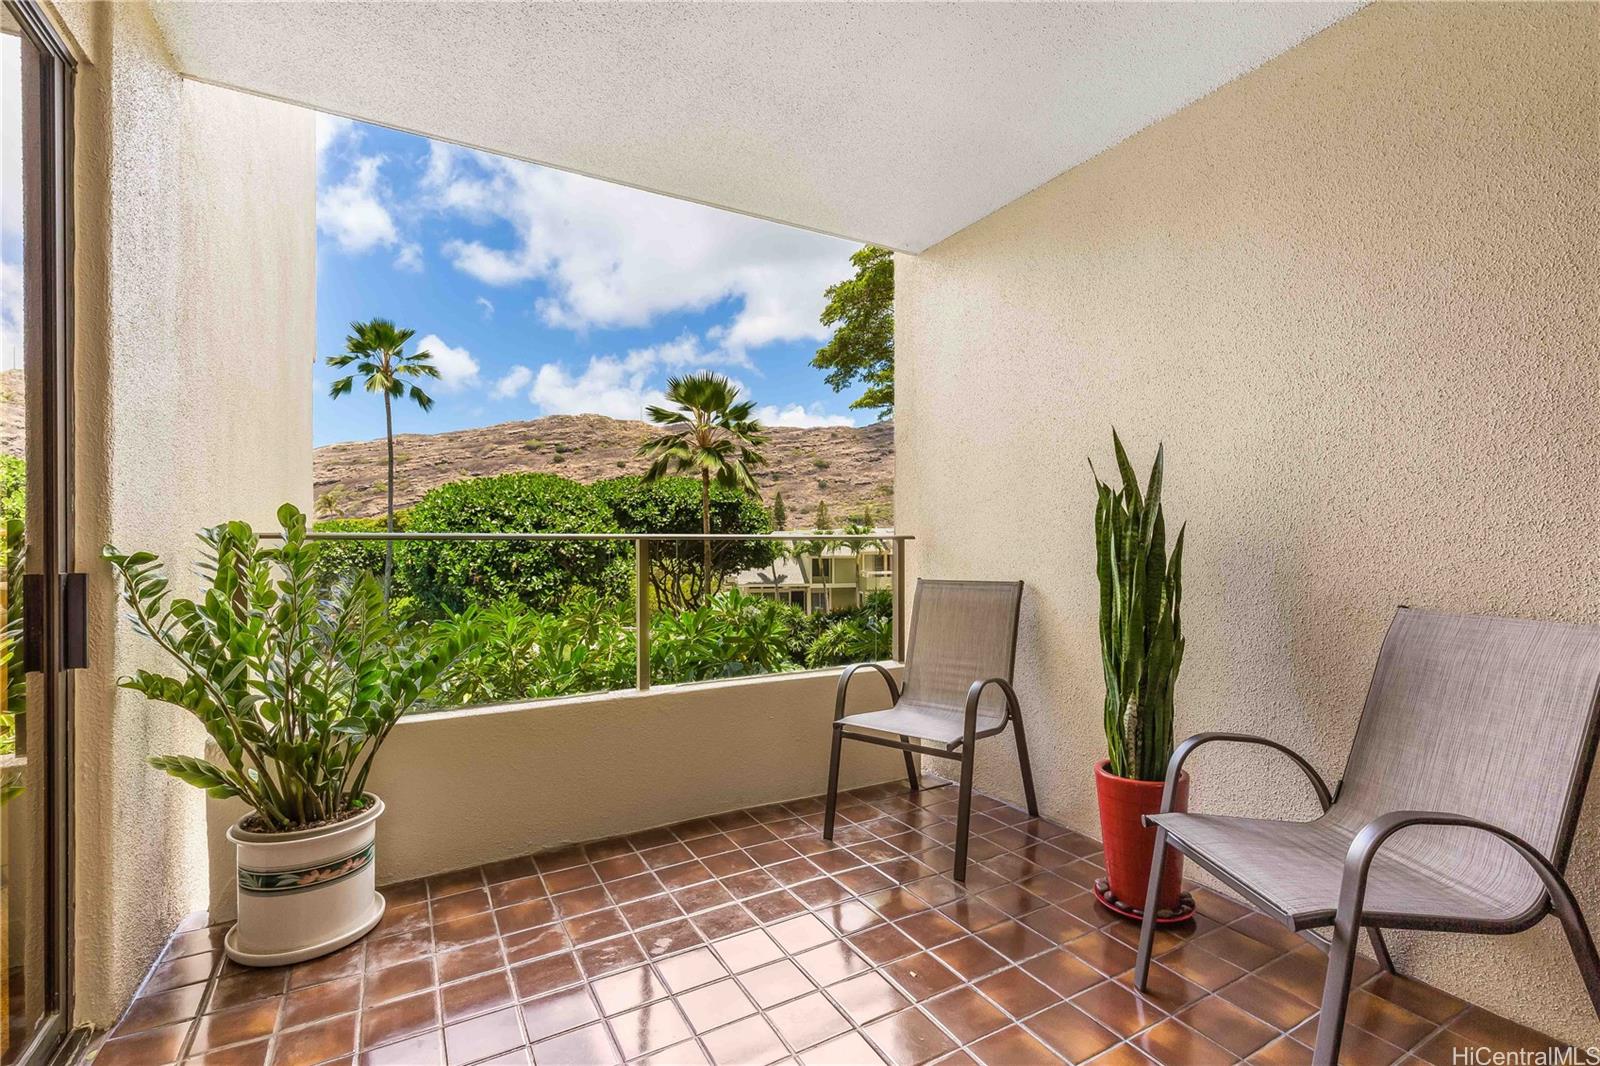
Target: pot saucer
[
  {"x": 1181, "y": 913},
  {"x": 284, "y": 958}
]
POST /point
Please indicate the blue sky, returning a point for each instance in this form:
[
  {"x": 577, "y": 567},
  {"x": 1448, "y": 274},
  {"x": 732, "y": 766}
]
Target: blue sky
[{"x": 542, "y": 292}]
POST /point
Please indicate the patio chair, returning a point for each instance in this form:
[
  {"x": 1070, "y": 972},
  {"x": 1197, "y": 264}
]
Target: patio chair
[
  {"x": 959, "y": 658},
  {"x": 1457, "y": 809}
]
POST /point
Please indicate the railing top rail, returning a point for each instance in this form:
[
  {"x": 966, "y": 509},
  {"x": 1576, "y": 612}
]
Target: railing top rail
[{"x": 655, "y": 537}]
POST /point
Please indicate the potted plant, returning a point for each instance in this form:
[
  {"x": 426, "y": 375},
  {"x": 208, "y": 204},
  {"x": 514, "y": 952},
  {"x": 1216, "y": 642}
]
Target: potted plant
[
  {"x": 298, "y": 686},
  {"x": 1141, "y": 646}
]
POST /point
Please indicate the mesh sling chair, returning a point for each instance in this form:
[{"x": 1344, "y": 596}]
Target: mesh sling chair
[
  {"x": 959, "y": 658},
  {"x": 1457, "y": 809}
]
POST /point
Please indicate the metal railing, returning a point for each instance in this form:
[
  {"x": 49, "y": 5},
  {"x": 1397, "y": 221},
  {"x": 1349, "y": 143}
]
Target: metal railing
[{"x": 644, "y": 548}]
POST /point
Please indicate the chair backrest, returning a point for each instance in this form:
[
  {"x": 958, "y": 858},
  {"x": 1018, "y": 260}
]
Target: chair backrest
[
  {"x": 961, "y": 632},
  {"x": 1493, "y": 718}
]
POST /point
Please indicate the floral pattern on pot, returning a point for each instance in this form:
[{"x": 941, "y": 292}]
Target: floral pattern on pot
[{"x": 271, "y": 882}]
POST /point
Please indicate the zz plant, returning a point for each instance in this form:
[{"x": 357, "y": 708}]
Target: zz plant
[
  {"x": 1141, "y": 631},
  {"x": 297, "y": 684}
]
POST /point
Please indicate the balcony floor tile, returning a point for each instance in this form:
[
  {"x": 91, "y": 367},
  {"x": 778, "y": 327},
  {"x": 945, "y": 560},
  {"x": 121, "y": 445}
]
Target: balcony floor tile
[{"x": 745, "y": 938}]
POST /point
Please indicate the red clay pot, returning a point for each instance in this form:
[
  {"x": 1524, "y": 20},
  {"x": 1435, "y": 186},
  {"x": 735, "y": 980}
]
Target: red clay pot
[{"x": 1128, "y": 842}]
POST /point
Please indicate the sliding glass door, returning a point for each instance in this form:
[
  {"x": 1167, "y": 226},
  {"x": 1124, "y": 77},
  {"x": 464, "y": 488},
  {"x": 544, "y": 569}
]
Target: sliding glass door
[{"x": 35, "y": 517}]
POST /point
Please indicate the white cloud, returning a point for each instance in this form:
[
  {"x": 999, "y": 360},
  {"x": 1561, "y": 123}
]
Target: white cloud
[
  {"x": 795, "y": 415},
  {"x": 11, "y": 310},
  {"x": 488, "y": 308},
  {"x": 618, "y": 386},
  {"x": 457, "y": 369},
  {"x": 614, "y": 256},
  {"x": 11, "y": 135},
  {"x": 516, "y": 379},
  {"x": 330, "y": 129},
  {"x": 355, "y": 213}
]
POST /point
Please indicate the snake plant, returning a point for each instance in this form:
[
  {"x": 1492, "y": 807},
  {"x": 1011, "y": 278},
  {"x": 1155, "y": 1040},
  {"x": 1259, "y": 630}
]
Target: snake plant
[
  {"x": 298, "y": 687},
  {"x": 1141, "y": 632}
]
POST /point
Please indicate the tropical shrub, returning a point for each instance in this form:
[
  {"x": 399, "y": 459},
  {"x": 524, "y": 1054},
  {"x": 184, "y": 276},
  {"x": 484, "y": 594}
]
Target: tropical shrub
[
  {"x": 15, "y": 695},
  {"x": 298, "y": 689},
  {"x": 520, "y": 654},
  {"x": 1141, "y": 632},
  {"x": 13, "y": 488},
  {"x": 731, "y": 635},
  {"x": 863, "y": 634},
  {"x": 449, "y": 576},
  {"x": 672, "y": 505}
]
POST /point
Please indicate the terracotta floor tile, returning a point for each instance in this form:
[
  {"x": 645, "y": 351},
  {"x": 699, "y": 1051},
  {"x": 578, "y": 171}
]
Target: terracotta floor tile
[
  {"x": 747, "y": 950},
  {"x": 807, "y": 1021},
  {"x": 966, "y": 1014},
  {"x": 1174, "y": 1044},
  {"x": 1420, "y": 999},
  {"x": 1064, "y": 972},
  {"x": 1071, "y": 1033},
  {"x": 1119, "y": 1010},
  {"x": 1105, "y": 953},
  {"x": 468, "y": 961},
  {"x": 397, "y": 981},
  {"x": 1283, "y": 1051},
  {"x": 596, "y": 925},
  {"x": 391, "y": 951},
  {"x": 524, "y": 915},
  {"x": 846, "y": 916},
  {"x": 1267, "y": 1001},
  {"x": 691, "y": 969},
  {"x": 251, "y": 1054},
  {"x": 459, "y": 905},
  {"x": 400, "y": 1017},
  {"x": 715, "y": 1005},
  {"x": 831, "y": 962},
  {"x": 1233, "y": 946},
  {"x": 851, "y": 1049},
  {"x": 558, "y": 1012},
  {"x": 316, "y": 1043},
  {"x": 153, "y": 1047},
  {"x": 930, "y": 929},
  {"x": 1495, "y": 1032},
  {"x": 909, "y": 1038},
  {"x": 776, "y": 982},
  {"x": 883, "y": 944},
  {"x": 723, "y": 921},
  {"x": 609, "y": 956},
  {"x": 799, "y": 933},
  {"x": 525, "y": 945},
  {"x": 1018, "y": 993},
  {"x": 649, "y": 1028},
  {"x": 1164, "y": 988},
  {"x": 475, "y": 995},
  {"x": 1387, "y": 1020},
  {"x": 163, "y": 1008},
  {"x": 1010, "y": 1046},
  {"x": 970, "y": 957},
  {"x": 442, "y": 885},
  {"x": 545, "y": 975},
  {"x": 1227, "y": 1025},
  {"x": 1357, "y": 1047},
  {"x": 518, "y": 890},
  {"x": 867, "y": 997},
  {"x": 403, "y": 919},
  {"x": 316, "y": 1002},
  {"x": 589, "y": 1045},
  {"x": 478, "y": 1038},
  {"x": 751, "y": 1042},
  {"x": 175, "y": 973},
  {"x": 1199, "y": 966},
  {"x": 670, "y": 937},
  {"x": 235, "y": 1025},
  {"x": 509, "y": 869},
  {"x": 922, "y": 976},
  {"x": 424, "y": 1049},
  {"x": 574, "y": 877},
  {"x": 629, "y": 989},
  {"x": 582, "y": 901}
]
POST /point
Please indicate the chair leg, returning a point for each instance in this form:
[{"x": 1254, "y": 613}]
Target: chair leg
[
  {"x": 1336, "y": 988},
  {"x": 911, "y": 767},
  {"x": 1147, "y": 927},
  {"x": 1380, "y": 950},
  {"x": 1027, "y": 768},
  {"x": 964, "y": 813},
  {"x": 1577, "y": 930},
  {"x": 833, "y": 784}
]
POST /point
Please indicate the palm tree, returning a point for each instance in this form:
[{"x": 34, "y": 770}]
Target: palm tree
[
  {"x": 710, "y": 433},
  {"x": 377, "y": 348}
]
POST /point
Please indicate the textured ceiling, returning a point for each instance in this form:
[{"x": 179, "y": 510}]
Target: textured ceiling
[{"x": 893, "y": 123}]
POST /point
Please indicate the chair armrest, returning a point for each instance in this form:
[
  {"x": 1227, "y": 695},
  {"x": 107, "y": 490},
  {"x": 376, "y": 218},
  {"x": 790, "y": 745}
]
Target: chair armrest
[
  {"x": 844, "y": 686},
  {"x": 975, "y": 693},
  {"x": 1181, "y": 753},
  {"x": 1364, "y": 848}
]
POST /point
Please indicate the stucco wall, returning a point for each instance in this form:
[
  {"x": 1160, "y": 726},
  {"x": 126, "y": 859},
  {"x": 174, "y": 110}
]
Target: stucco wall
[
  {"x": 470, "y": 787},
  {"x": 195, "y": 307},
  {"x": 1357, "y": 294}
]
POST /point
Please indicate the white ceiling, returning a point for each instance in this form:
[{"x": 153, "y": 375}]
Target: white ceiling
[{"x": 886, "y": 122}]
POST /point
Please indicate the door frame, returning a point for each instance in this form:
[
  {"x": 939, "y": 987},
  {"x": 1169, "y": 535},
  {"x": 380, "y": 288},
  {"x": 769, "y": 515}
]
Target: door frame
[{"x": 57, "y": 71}]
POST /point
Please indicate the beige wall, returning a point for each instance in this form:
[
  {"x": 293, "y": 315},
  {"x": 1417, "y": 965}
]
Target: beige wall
[
  {"x": 195, "y": 315},
  {"x": 1357, "y": 293},
  {"x": 469, "y": 787}
]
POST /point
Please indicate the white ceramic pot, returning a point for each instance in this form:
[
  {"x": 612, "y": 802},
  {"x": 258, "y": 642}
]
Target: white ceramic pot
[{"x": 305, "y": 893}]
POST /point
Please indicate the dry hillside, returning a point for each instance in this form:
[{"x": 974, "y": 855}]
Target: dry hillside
[{"x": 849, "y": 468}]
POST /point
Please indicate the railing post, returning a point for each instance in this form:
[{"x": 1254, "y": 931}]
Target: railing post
[
  {"x": 641, "y": 614},
  {"x": 898, "y": 564}
]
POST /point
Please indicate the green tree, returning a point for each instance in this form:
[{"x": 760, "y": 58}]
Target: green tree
[
  {"x": 862, "y": 348},
  {"x": 13, "y": 488},
  {"x": 672, "y": 505},
  {"x": 711, "y": 434},
  {"x": 377, "y": 349},
  {"x": 824, "y": 522},
  {"x": 448, "y": 576},
  {"x": 780, "y": 513}
]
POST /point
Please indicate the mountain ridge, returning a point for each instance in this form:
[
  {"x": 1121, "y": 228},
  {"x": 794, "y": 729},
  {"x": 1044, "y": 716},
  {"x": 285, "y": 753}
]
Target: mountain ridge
[{"x": 849, "y": 467}]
